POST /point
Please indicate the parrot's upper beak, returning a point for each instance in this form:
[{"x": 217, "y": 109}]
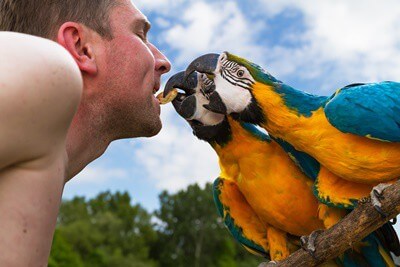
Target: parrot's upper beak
[
  {"x": 184, "y": 103},
  {"x": 204, "y": 64},
  {"x": 187, "y": 84}
]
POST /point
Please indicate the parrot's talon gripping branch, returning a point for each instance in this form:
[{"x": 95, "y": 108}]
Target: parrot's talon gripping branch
[
  {"x": 364, "y": 200},
  {"x": 377, "y": 196},
  {"x": 308, "y": 243}
]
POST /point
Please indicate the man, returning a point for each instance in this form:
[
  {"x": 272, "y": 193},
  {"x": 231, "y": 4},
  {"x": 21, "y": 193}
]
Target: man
[{"x": 62, "y": 104}]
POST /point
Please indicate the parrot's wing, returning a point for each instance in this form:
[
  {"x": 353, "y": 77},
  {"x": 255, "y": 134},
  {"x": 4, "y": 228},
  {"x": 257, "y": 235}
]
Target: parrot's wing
[
  {"x": 309, "y": 166},
  {"x": 334, "y": 191},
  {"x": 371, "y": 110},
  {"x": 239, "y": 217}
]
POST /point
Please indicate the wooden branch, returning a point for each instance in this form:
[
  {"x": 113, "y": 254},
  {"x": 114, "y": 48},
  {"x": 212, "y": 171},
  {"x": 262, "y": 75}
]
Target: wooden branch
[{"x": 354, "y": 227}]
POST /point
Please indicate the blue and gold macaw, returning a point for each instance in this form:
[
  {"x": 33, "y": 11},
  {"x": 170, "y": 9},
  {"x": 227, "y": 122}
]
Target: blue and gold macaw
[
  {"x": 265, "y": 199},
  {"x": 354, "y": 134}
]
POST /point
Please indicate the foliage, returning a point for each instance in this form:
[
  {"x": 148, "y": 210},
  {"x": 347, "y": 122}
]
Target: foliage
[
  {"x": 109, "y": 231},
  {"x": 191, "y": 233},
  {"x": 104, "y": 231}
]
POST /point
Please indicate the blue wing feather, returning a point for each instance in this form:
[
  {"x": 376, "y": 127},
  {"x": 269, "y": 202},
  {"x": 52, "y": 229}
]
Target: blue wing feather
[{"x": 371, "y": 110}]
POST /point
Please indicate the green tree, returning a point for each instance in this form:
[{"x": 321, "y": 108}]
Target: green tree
[
  {"x": 62, "y": 253},
  {"x": 105, "y": 231},
  {"x": 192, "y": 234}
]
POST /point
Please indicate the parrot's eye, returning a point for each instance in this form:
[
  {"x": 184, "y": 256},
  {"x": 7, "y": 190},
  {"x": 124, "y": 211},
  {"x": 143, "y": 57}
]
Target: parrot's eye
[{"x": 240, "y": 73}]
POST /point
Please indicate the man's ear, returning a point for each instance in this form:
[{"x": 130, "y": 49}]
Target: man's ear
[{"x": 75, "y": 38}]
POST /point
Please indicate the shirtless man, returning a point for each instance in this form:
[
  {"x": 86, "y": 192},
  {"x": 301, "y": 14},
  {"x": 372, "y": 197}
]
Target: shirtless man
[{"x": 61, "y": 104}]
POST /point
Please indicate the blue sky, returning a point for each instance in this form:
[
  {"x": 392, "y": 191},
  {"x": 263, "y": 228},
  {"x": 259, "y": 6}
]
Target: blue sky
[{"x": 315, "y": 46}]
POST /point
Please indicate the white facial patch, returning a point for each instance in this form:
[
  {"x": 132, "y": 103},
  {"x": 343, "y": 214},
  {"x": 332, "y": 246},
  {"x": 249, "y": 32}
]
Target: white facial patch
[
  {"x": 235, "y": 98},
  {"x": 233, "y": 83}
]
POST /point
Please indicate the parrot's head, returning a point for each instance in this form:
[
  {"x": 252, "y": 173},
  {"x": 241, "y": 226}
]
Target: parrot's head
[
  {"x": 191, "y": 102},
  {"x": 234, "y": 79}
]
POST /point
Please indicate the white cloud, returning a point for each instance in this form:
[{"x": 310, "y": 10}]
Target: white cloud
[
  {"x": 212, "y": 27},
  {"x": 175, "y": 158},
  {"x": 359, "y": 40},
  {"x": 98, "y": 175}
]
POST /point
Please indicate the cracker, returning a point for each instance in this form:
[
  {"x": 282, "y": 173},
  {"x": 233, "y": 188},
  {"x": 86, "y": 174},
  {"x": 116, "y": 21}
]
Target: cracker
[{"x": 170, "y": 96}]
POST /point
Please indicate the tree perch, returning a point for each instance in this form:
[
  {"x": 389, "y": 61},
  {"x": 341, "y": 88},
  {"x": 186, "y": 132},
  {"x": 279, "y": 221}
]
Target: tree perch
[{"x": 362, "y": 221}]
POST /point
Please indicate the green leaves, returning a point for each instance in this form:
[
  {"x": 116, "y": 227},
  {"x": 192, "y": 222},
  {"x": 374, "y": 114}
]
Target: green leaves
[
  {"x": 104, "y": 231},
  {"x": 109, "y": 230}
]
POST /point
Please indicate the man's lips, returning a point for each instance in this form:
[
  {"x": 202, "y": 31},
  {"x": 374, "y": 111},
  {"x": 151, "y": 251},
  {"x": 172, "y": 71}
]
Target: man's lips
[{"x": 156, "y": 87}]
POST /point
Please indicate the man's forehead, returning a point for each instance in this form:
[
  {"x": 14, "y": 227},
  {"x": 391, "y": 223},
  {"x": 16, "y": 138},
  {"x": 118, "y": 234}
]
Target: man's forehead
[
  {"x": 127, "y": 13},
  {"x": 137, "y": 17}
]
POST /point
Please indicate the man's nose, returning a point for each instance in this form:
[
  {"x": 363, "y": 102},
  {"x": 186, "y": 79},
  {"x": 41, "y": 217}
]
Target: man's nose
[{"x": 162, "y": 64}]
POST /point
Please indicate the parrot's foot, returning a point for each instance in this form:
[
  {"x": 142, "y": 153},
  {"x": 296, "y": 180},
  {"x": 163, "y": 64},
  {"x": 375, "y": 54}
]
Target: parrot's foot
[
  {"x": 364, "y": 200},
  {"x": 394, "y": 221},
  {"x": 267, "y": 264},
  {"x": 377, "y": 196},
  {"x": 308, "y": 242}
]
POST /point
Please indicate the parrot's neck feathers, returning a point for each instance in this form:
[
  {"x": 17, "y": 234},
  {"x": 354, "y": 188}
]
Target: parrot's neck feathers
[
  {"x": 298, "y": 101},
  {"x": 219, "y": 134},
  {"x": 252, "y": 114}
]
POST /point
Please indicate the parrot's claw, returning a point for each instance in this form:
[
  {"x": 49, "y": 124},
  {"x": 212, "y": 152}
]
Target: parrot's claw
[
  {"x": 308, "y": 243},
  {"x": 377, "y": 196},
  {"x": 267, "y": 264},
  {"x": 394, "y": 221},
  {"x": 364, "y": 200}
]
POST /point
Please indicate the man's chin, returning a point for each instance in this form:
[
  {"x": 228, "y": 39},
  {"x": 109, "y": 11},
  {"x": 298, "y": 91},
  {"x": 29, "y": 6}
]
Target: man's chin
[{"x": 152, "y": 128}]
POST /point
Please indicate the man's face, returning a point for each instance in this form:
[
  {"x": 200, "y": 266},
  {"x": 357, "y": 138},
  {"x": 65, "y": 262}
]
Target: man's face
[{"x": 130, "y": 70}]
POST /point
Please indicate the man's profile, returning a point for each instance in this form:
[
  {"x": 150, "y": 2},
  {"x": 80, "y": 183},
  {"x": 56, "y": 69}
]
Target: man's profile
[{"x": 62, "y": 101}]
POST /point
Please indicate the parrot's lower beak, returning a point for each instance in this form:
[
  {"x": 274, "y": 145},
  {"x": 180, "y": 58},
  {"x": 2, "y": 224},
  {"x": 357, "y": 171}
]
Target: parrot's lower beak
[
  {"x": 184, "y": 103},
  {"x": 216, "y": 104},
  {"x": 204, "y": 64}
]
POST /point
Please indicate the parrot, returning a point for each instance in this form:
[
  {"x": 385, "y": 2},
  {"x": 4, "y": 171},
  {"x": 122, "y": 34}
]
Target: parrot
[
  {"x": 353, "y": 134},
  {"x": 265, "y": 199}
]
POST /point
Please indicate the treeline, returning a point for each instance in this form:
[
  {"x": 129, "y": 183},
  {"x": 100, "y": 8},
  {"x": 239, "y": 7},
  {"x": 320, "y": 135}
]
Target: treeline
[{"x": 109, "y": 231}]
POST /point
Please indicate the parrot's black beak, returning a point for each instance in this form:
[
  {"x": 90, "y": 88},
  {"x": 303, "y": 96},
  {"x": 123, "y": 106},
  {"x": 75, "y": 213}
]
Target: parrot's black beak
[
  {"x": 216, "y": 104},
  {"x": 204, "y": 64},
  {"x": 184, "y": 103},
  {"x": 179, "y": 81}
]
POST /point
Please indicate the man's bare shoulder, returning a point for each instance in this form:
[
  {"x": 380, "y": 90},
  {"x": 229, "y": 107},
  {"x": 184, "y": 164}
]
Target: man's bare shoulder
[{"x": 40, "y": 89}]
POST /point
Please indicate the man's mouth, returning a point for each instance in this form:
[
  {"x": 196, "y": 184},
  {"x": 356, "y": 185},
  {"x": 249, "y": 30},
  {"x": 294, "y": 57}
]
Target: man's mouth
[{"x": 156, "y": 88}]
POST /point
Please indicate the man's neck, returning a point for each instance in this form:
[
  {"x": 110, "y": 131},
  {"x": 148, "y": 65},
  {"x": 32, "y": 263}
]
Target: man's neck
[{"x": 85, "y": 143}]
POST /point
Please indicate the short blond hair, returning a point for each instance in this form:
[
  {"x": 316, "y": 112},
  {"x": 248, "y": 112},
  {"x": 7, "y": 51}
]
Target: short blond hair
[{"x": 43, "y": 17}]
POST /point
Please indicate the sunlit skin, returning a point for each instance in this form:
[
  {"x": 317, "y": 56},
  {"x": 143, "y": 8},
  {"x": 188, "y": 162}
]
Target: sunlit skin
[
  {"x": 61, "y": 106},
  {"x": 120, "y": 77},
  {"x": 36, "y": 109}
]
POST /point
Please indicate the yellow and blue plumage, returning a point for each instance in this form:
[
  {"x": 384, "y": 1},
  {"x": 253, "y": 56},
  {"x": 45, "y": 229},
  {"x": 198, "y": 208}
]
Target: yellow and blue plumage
[
  {"x": 355, "y": 133},
  {"x": 261, "y": 194}
]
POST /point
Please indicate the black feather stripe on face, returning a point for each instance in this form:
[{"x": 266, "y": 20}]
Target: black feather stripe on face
[
  {"x": 252, "y": 114},
  {"x": 229, "y": 71},
  {"x": 219, "y": 134}
]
